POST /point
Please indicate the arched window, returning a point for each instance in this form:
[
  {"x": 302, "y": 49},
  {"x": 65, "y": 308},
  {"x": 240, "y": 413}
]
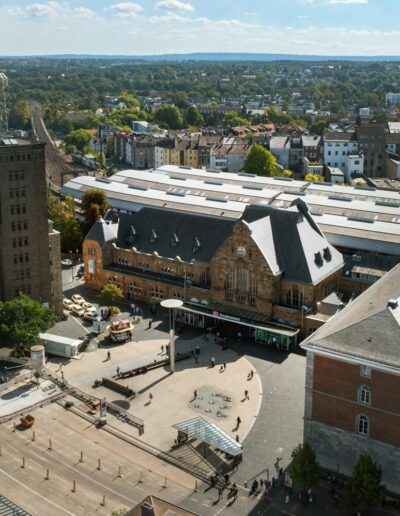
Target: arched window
[
  {"x": 364, "y": 394},
  {"x": 294, "y": 297},
  {"x": 362, "y": 424}
]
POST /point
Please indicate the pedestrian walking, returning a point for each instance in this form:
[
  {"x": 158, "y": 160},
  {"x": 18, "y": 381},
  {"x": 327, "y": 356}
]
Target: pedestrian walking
[
  {"x": 250, "y": 375},
  {"x": 150, "y": 323},
  {"x": 246, "y": 394},
  {"x": 195, "y": 394},
  {"x": 60, "y": 366},
  {"x": 212, "y": 362},
  {"x": 150, "y": 398},
  {"x": 238, "y": 421},
  {"x": 118, "y": 371},
  {"x": 224, "y": 364},
  {"x": 162, "y": 348},
  {"x": 108, "y": 355},
  {"x": 219, "y": 493}
]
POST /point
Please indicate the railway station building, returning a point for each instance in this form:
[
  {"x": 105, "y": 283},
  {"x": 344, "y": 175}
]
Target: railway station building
[{"x": 262, "y": 276}]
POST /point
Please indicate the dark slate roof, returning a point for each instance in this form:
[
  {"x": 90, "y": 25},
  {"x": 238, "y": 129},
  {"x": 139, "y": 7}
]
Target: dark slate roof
[
  {"x": 367, "y": 328},
  {"x": 152, "y": 229},
  {"x": 301, "y": 251},
  {"x": 102, "y": 231}
]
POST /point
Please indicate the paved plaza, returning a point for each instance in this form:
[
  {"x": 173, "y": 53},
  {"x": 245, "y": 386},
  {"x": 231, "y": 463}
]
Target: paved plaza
[{"x": 271, "y": 418}]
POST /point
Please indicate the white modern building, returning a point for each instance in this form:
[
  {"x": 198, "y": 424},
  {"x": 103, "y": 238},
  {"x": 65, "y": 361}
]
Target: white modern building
[
  {"x": 341, "y": 151},
  {"x": 392, "y": 99}
]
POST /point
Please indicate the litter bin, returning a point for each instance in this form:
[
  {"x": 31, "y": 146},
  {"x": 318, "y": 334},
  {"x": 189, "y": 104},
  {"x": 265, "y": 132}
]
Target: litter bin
[{"x": 197, "y": 350}]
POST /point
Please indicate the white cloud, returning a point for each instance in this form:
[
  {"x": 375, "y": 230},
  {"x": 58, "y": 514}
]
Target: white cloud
[
  {"x": 83, "y": 12},
  {"x": 50, "y": 9},
  {"x": 126, "y": 9},
  {"x": 176, "y": 5}
]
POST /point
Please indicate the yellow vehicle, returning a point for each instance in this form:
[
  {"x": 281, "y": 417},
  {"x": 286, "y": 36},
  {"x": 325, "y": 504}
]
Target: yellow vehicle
[
  {"x": 77, "y": 299},
  {"x": 77, "y": 310},
  {"x": 68, "y": 304}
]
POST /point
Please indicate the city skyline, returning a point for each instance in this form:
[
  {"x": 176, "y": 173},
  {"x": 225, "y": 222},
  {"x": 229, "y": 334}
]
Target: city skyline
[{"x": 144, "y": 27}]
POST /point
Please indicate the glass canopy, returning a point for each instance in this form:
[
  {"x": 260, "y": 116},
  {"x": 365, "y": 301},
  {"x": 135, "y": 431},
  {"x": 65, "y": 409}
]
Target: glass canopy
[{"x": 199, "y": 428}]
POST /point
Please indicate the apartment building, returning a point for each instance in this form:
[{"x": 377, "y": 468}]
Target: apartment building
[{"x": 30, "y": 247}]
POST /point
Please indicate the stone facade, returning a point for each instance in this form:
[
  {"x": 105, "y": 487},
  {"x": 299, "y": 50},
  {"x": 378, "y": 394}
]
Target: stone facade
[
  {"x": 238, "y": 275},
  {"x": 338, "y": 450}
]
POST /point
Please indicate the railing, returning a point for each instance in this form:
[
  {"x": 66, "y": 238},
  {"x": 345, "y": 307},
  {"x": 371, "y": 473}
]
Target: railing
[{"x": 41, "y": 403}]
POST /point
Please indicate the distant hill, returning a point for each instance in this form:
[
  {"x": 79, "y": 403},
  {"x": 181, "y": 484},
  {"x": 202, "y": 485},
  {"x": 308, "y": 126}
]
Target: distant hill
[{"x": 211, "y": 56}]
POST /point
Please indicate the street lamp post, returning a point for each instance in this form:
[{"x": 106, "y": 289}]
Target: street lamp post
[{"x": 172, "y": 305}]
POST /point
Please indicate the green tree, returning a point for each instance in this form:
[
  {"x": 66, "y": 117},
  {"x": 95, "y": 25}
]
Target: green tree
[
  {"x": 80, "y": 138},
  {"x": 304, "y": 466},
  {"x": 193, "y": 116},
  {"x": 111, "y": 293},
  {"x": 94, "y": 205},
  {"x": 260, "y": 161},
  {"x": 316, "y": 178},
  {"x": 364, "y": 488},
  {"x": 19, "y": 114},
  {"x": 169, "y": 116},
  {"x": 232, "y": 119},
  {"x": 101, "y": 160},
  {"x": 21, "y": 321},
  {"x": 63, "y": 216}
]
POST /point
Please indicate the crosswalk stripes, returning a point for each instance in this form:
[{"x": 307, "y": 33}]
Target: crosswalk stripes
[{"x": 8, "y": 508}]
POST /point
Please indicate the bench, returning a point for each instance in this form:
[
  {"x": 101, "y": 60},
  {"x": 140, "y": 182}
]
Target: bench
[{"x": 115, "y": 386}]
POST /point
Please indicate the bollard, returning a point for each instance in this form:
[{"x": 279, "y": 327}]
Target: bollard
[
  {"x": 119, "y": 472},
  {"x": 73, "y": 486},
  {"x": 14, "y": 427},
  {"x": 33, "y": 436},
  {"x": 245, "y": 484},
  {"x": 23, "y": 462},
  {"x": 103, "y": 503},
  {"x": 81, "y": 457},
  {"x": 99, "y": 465},
  {"x": 165, "y": 483},
  {"x": 47, "y": 477},
  {"x": 141, "y": 478},
  {"x": 50, "y": 445},
  {"x": 196, "y": 487}
]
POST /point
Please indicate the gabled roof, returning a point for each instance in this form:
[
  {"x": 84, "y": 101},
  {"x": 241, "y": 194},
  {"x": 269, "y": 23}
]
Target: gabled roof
[
  {"x": 172, "y": 233},
  {"x": 292, "y": 242},
  {"x": 367, "y": 328},
  {"x": 103, "y": 231},
  {"x": 340, "y": 136}
]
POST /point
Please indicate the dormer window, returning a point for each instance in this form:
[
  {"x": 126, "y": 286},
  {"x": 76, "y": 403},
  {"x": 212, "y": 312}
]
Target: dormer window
[
  {"x": 131, "y": 235},
  {"x": 327, "y": 254},
  {"x": 153, "y": 236},
  {"x": 196, "y": 245},
  {"x": 318, "y": 259},
  {"x": 174, "y": 240}
]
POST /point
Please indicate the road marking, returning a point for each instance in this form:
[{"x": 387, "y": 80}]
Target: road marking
[
  {"x": 104, "y": 486},
  {"x": 36, "y": 493}
]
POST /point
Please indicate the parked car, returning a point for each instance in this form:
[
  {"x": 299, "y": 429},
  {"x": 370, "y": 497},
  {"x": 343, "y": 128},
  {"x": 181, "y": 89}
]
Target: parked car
[
  {"x": 67, "y": 303},
  {"x": 91, "y": 316},
  {"x": 66, "y": 262},
  {"x": 77, "y": 310},
  {"x": 77, "y": 299},
  {"x": 88, "y": 306}
]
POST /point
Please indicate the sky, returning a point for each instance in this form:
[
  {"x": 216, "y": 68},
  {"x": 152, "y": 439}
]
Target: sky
[{"x": 143, "y": 27}]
